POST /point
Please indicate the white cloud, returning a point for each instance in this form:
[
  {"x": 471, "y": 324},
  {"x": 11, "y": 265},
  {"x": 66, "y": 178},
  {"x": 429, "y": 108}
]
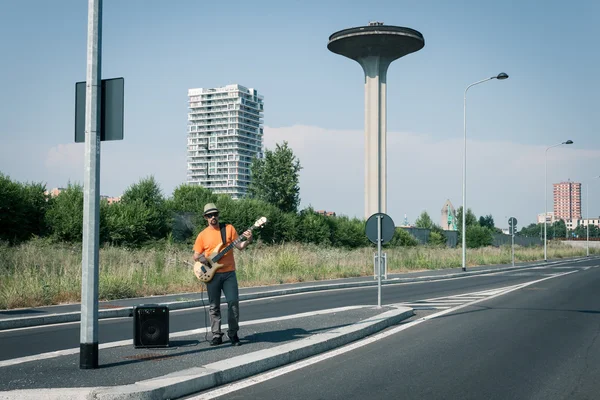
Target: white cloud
[
  {"x": 503, "y": 179},
  {"x": 65, "y": 156}
]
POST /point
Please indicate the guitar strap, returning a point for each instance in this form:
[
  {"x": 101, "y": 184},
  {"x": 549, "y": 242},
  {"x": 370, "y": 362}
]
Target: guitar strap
[{"x": 222, "y": 226}]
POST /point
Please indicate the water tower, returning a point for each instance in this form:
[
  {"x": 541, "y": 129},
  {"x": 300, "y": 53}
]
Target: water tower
[{"x": 374, "y": 47}]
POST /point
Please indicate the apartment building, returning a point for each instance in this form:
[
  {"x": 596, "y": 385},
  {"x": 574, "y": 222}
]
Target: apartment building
[
  {"x": 225, "y": 132},
  {"x": 567, "y": 200}
]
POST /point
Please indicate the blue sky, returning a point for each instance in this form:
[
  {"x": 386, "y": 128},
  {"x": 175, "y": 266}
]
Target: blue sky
[{"x": 315, "y": 99}]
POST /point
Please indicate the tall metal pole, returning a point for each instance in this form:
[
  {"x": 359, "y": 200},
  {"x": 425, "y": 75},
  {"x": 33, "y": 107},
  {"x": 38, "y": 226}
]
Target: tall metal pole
[
  {"x": 379, "y": 240},
  {"x": 88, "y": 350},
  {"x": 546, "y": 196},
  {"x": 464, "y": 185},
  {"x": 513, "y": 247},
  {"x": 545, "y": 203},
  {"x": 464, "y": 179},
  {"x": 587, "y": 200}
]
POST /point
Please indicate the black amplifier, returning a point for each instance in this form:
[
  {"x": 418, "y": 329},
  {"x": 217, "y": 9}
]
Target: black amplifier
[{"x": 150, "y": 326}]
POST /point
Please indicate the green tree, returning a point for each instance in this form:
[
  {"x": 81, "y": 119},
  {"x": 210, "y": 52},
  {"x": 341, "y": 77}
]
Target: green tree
[
  {"x": 557, "y": 230},
  {"x": 141, "y": 215},
  {"x": 581, "y": 231},
  {"x": 275, "y": 179},
  {"x": 22, "y": 210},
  {"x": 128, "y": 222},
  {"x": 532, "y": 230},
  {"x": 65, "y": 215},
  {"x": 424, "y": 221},
  {"x": 190, "y": 198},
  {"x": 314, "y": 228},
  {"x": 470, "y": 218},
  {"x": 487, "y": 221}
]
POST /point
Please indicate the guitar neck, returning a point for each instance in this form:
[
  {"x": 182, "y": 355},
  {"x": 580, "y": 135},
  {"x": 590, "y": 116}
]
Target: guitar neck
[{"x": 230, "y": 246}]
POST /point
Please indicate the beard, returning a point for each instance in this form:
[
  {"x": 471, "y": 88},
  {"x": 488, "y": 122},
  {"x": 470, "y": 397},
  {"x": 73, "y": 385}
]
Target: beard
[{"x": 213, "y": 222}]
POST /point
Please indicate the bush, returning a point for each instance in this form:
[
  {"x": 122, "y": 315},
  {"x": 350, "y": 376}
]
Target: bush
[
  {"x": 348, "y": 233},
  {"x": 402, "y": 238},
  {"x": 65, "y": 214},
  {"x": 141, "y": 214},
  {"x": 190, "y": 198},
  {"x": 22, "y": 210},
  {"x": 314, "y": 228},
  {"x": 478, "y": 236},
  {"x": 436, "y": 239},
  {"x": 127, "y": 223}
]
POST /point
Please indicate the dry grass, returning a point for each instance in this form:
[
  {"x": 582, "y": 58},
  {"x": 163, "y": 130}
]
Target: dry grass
[{"x": 41, "y": 273}]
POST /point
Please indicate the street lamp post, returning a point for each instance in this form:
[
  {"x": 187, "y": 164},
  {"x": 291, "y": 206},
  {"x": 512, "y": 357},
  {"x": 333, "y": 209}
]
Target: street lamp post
[
  {"x": 546, "y": 196},
  {"x": 500, "y": 76},
  {"x": 587, "y": 201}
]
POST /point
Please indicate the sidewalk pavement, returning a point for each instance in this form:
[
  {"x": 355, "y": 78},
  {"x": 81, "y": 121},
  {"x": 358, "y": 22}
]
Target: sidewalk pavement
[{"x": 189, "y": 365}]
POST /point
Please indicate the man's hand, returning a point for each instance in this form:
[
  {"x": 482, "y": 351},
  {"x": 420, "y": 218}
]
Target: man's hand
[
  {"x": 245, "y": 243},
  {"x": 200, "y": 258}
]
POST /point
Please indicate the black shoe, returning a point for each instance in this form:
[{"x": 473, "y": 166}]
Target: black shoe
[
  {"x": 216, "y": 340},
  {"x": 235, "y": 340}
]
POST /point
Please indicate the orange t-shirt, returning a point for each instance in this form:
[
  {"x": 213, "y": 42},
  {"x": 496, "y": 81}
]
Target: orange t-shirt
[{"x": 208, "y": 240}]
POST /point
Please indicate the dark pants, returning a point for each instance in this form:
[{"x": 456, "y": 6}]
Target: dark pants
[{"x": 226, "y": 282}]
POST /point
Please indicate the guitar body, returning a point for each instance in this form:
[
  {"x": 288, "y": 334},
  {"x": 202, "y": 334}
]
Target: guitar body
[{"x": 205, "y": 273}]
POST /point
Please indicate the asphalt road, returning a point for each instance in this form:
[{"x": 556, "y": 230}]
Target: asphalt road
[
  {"x": 541, "y": 341},
  {"x": 30, "y": 341}
]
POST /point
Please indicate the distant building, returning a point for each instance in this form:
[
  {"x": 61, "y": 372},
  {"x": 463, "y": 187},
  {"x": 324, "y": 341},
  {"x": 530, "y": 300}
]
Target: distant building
[
  {"x": 53, "y": 192},
  {"x": 56, "y": 191},
  {"x": 549, "y": 218},
  {"x": 574, "y": 223},
  {"x": 567, "y": 200},
  {"x": 448, "y": 219},
  {"x": 326, "y": 213},
  {"x": 111, "y": 200},
  {"x": 224, "y": 134}
]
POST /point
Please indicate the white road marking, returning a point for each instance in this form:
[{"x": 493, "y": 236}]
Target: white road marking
[
  {"x": 355, "y": 345},
  {"x": 426, "y": 307}
]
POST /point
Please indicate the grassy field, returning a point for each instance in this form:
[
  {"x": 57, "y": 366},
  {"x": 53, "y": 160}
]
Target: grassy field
[{"x": 42, "y": 273}]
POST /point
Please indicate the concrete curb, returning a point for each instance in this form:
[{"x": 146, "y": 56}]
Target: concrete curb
[
  {"x": 193, "y": 380},
  {"x": 22, "y": 322}
]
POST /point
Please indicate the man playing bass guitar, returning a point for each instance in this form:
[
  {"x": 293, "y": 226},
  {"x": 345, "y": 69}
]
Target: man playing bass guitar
[{"x": 224, "y": 278}]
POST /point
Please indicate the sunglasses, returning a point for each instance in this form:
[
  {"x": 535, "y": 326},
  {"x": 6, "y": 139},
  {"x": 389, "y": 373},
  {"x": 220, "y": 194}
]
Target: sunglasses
[{"x": 209, "y": 216}]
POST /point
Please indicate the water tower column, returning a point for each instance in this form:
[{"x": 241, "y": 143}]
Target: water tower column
[
  {"x": 375, "y": 69},
  {"x": 374, "y": 47}
]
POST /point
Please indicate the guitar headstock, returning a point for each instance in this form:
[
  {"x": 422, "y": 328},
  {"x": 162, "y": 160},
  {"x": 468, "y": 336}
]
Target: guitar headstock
[{"x": 260, "y": 222}]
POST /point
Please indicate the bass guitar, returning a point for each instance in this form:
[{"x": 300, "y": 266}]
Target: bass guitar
[{"x": 205, "y": 273}]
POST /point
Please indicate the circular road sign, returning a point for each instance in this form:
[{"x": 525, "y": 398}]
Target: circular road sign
[
  {"x": 387, "y": 228},
  {"x": 512, "y": 221}
]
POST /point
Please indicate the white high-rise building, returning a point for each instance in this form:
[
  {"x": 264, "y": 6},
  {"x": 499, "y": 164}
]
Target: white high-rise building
[{"x": 224, "y": 134}]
